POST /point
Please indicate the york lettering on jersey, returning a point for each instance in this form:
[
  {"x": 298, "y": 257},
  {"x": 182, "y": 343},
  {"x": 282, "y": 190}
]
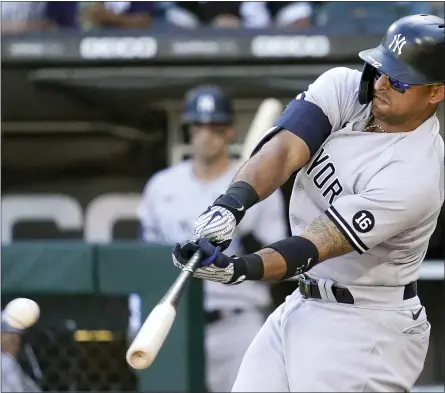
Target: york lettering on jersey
[{"x": 322, "y": 172}]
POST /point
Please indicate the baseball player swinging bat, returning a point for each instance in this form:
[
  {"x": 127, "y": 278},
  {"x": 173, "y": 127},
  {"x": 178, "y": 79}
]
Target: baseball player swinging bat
[
  {"x": 150, "y": 338},
  {"x": 154, "y": 331}
]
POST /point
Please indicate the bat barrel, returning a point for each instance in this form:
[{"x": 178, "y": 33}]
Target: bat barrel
[
  {"x": 151, "y": 336},
  {"x": 154, "y": 331}
]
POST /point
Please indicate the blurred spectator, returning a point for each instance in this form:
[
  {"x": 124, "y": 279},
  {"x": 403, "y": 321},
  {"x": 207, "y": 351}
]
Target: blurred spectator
[
  {"x": 290, "y": 13},
  {"x": 120, "y": 14},
  {"x": 235, "y": 14},
  {"x": 255, "y": 14},
  {"x": 425, "y": 7},
  {"x": 263, "y": 14},
  {"x": 23, "y": 16},
  {"x": 14, "y": 378},
  {"x": 191, "y": 14},
  {"x": 437, "y": 8},
  {"x": 361, "y": 16}
]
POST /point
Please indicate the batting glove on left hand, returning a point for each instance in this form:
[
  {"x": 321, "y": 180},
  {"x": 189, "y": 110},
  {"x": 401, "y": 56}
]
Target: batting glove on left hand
[
  {"x": 218, "y": 222},
  {"x": 215, "y": 266}
]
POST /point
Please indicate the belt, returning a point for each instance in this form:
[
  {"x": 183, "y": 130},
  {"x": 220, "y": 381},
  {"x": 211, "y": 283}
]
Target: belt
[
  {"x": 216, "y": 315},
  {"x": 309, "y": 290}
]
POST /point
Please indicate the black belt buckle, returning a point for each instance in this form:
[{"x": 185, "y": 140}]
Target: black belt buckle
[{"x": 305, "y": 287}]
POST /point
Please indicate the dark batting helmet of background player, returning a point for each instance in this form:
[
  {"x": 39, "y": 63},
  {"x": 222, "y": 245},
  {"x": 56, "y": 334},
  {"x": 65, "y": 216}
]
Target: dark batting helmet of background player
[
  {"x": 207, "y": 104},
  {"x": 7, "y": 328},
  {"x": 412, "y": 52}
]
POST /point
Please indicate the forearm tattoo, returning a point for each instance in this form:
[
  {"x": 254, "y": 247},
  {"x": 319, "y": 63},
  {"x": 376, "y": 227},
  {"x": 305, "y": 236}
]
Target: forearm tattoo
[
  {"x": 274, "y": 264},
  {"x": 265, "y": 251},
  {"x": 327, "y": 237}
]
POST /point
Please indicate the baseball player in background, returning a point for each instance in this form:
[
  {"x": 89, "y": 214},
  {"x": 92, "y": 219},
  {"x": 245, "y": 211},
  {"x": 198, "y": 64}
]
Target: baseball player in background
[
  {"x": 364, "y": 204},
  {"x": 174, "y": 197},
  {"x": 14, "y": 379}
]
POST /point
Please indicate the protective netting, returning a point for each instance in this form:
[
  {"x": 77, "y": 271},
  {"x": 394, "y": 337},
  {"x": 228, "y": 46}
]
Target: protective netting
[
  {"x": 78, "y": 344},
  {"x": 80, "y": 360}
]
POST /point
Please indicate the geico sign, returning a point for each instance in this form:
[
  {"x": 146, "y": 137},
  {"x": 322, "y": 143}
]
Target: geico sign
[
  {"x": 97, "y": 221},
  {"x": 118, "y": 47},
  {"x": 290, "y": 46}
]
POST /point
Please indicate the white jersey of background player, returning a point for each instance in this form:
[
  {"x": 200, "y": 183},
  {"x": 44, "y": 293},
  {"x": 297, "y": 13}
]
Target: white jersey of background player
[
  {"x": 364, "y": 206},
  {"x": 172, "y": 200}
]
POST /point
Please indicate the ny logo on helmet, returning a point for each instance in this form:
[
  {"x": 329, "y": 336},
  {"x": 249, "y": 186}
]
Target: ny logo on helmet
[
  {"x": 397, "y": 43},
  {"x": 206, "y": 103}
]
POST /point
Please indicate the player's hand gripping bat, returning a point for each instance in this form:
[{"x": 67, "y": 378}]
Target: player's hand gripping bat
[{"x": 154, "y": 331}]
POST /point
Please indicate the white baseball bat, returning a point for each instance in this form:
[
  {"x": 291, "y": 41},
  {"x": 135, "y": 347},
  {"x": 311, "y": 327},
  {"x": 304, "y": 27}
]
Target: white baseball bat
[
  {"x": 150, "y": 338},
  {"x": 268, "y": 111}
]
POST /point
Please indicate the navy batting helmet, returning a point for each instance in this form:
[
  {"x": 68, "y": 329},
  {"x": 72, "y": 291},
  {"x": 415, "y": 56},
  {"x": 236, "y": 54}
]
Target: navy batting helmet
[
  {"x": 411, "y": 52},
  {"x": 207, "y": 104}
]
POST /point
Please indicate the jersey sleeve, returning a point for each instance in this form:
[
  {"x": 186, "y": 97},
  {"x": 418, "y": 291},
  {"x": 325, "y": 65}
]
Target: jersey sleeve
[
  {"x": 11, "y": 375},
  {"x": 395, "y": 200},
  {"x": 323, "y": 108},
  {"x": 149, "y": 227},
  {"x": 335, "y": 92}
]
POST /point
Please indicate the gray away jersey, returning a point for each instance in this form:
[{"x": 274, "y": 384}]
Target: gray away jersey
[
  {"x": 384, "y": 191},
  {"x": 14, "y": 378},
  {"x": 172, "y": 201}
]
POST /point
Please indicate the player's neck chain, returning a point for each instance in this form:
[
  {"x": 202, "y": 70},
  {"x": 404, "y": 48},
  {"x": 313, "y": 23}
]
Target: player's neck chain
[{"x": 370, "y": 126}]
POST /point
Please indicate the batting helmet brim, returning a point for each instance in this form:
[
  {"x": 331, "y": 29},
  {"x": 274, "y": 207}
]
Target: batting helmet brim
[
  {"x": 7, "y": 328},
  {"x": 203, "y": 118},
  {"x": 383, "y": 60}
]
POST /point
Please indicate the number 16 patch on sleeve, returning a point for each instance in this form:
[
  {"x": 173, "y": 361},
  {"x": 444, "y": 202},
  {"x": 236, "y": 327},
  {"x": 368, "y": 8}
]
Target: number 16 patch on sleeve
[{"x": 363, "y": 221}]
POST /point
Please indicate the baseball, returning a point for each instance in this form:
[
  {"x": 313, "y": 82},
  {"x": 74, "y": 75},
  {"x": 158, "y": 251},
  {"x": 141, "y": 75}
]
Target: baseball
[{"x": 21, "y": 313}]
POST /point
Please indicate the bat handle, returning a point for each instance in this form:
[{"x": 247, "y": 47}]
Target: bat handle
[{"x": 175, "y": 292}]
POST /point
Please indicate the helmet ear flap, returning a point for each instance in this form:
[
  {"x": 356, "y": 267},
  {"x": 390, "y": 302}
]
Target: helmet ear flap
[{"x": 366, "y": 89}]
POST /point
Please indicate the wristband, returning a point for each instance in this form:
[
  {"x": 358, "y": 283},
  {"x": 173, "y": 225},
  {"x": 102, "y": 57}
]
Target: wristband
[
  {"x": 239, "y": 197},
  {"x": 299, "y": 253},
  {"x": 244, "y": 193},
  {"x": 254, "y": 267}
]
